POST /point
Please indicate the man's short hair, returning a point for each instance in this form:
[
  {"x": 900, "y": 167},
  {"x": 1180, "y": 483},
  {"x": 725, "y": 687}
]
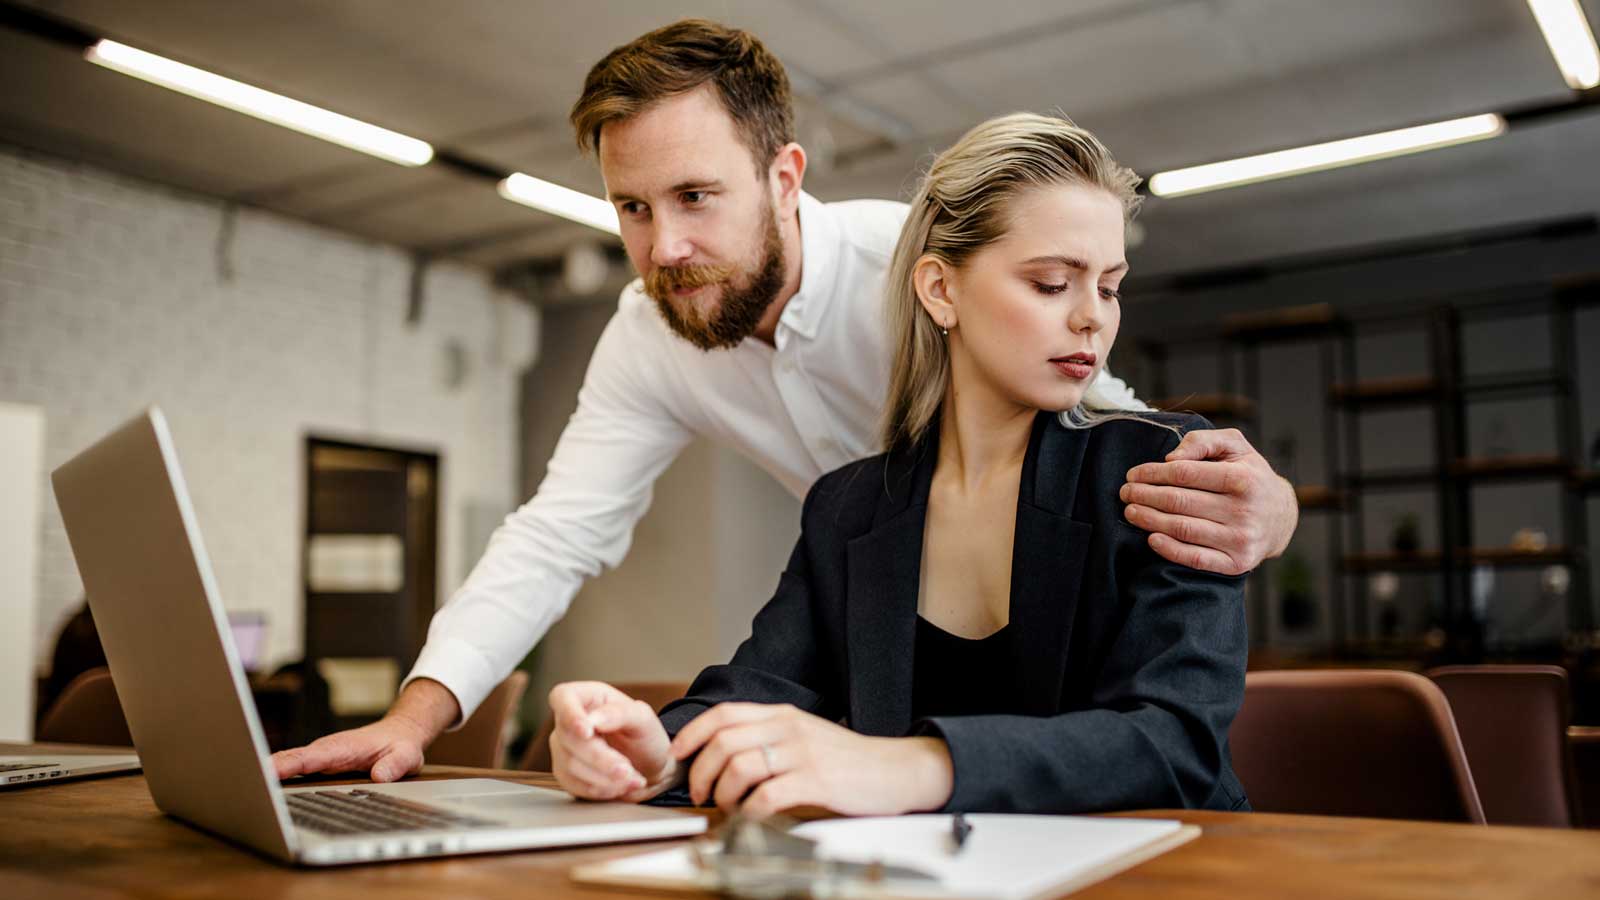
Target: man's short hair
[{"x": 680, "y": 57}]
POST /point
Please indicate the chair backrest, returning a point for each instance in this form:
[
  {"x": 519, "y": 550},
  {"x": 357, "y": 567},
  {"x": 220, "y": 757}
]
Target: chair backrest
[
  {"x": 1352, "y": 743},
  {"x": 1513, "y": 722},
  {"x": 481, "y": 741},
  {"x": 655, "y": 693},
  {"x": 87, "y": 712}
]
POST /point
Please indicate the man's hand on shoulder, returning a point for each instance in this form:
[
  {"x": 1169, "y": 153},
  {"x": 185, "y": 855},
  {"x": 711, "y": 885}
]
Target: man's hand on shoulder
[{"x": 1214, "y": 504}]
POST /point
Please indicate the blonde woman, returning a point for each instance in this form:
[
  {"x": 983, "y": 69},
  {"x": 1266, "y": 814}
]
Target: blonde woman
[{"x": 967, "y": 623}]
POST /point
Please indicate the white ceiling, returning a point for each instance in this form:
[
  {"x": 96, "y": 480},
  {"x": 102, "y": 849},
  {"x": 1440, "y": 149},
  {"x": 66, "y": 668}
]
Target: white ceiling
[{"x": 1164, "y": 83}]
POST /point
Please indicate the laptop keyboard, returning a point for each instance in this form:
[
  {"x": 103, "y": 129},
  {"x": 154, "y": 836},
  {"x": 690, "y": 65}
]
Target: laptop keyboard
[{"x": 365, "y": 812}]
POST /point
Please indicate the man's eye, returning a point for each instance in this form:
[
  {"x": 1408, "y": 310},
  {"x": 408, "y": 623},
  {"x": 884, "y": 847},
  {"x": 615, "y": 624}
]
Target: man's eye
[
  {"x": 632, "y": 208},
  {"x": 693, "y": 197}
]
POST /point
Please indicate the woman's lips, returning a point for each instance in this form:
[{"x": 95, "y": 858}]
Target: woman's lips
[{"x": 1073, "y": 369}]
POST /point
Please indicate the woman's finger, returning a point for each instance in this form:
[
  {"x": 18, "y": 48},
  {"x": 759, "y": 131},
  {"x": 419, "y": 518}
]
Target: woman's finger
[
  {"x": 617, "y": 781},
  {"x": 742, "y": 772},
  {"x": 598, "y": 785},
  {"x": 708, "y": 723},
  {"x": 599, "y": 755},
  {"x": 629, "y": 716},
  {"x": 775, "y": 795},
  {"x": 723, "y": 746}
]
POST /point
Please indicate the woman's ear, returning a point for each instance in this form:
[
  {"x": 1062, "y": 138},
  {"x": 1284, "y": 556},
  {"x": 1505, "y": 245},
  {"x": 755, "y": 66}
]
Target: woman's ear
[{"x": 933, "y": 279}]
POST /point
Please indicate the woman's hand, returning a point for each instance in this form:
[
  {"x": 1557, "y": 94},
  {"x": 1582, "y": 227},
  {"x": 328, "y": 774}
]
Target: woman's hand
[
  {"x": 606, "y": 745},
  {"x": 784, "y": 757}
]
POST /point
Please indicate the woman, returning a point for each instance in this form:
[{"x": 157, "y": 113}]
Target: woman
[{"x": 970, "y": 603}]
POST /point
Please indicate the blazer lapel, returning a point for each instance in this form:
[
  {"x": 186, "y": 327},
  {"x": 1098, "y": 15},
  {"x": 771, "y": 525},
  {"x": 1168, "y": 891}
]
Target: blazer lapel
[
  {"x": 883, "y": 578},
  {"x": 1047, "y": 560},
  {"x": 885, "y": 575}
]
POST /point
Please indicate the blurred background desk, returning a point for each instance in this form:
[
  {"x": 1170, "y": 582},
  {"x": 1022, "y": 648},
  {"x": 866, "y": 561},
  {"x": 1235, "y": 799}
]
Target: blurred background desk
[{"x": 105, "y": 838}]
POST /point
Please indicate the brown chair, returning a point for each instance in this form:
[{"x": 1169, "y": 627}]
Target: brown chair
[
  {"x": 482, "y": 740},
  {"x": 1584, "y": 742},
  {"x": 1513, "y": 722},
  {"x": 87, "y": 712},
  {"x": 655, "y": 693},
  {"x": 1352, "y": 743}
]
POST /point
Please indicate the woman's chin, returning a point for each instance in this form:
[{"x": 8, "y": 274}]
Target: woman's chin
[{"x": 1059, "y": 398}]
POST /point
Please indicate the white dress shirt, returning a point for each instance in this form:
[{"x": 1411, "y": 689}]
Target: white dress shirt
[{"x": 798, "y": 409}]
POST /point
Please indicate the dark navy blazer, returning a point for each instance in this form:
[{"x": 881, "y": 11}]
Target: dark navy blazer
[{"x": 1132, "y": 666}]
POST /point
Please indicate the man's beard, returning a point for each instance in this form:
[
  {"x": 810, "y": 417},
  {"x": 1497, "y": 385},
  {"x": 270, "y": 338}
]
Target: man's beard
[{"x": 740, "y": 309}]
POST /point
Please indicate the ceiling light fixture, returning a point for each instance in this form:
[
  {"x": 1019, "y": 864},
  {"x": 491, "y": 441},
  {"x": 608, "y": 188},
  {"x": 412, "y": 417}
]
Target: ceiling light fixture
[
  {"x": 565, "y": 202},
  {"x": 1319, "y": 157},
  {"x": 264, "y": 105},
  {"x": 1571, "y": 41}
]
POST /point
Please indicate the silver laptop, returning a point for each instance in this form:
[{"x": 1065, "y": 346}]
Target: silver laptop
[
  {"x": 133, "y": 532},
  {"x": 40, "y": 767}
]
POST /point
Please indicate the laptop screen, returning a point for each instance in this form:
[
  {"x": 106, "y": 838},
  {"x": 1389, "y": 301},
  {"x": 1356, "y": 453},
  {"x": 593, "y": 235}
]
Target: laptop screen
[{"x": 249, "y": 638}]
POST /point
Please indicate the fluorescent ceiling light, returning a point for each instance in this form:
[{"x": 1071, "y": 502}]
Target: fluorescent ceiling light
[
  {"x": 1571, "y": 41},
  {"x": 561, "y": 201},
  {"x": 264, "y": 105},
  {"x": 1318, "y": 157}
]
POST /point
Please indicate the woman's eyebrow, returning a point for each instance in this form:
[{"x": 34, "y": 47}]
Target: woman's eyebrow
[{"x": 1071, "y": 262}]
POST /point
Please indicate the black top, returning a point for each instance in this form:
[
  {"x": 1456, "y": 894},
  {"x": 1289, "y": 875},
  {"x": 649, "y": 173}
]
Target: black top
[
  {"x": 1129, "y": 668},
  {"x": 956, "y": 676}
]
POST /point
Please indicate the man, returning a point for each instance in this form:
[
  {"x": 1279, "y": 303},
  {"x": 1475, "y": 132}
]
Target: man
[{"x": 757, "y": 322}]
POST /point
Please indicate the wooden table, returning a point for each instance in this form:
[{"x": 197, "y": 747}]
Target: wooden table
[{"x": 104, "y": 838}]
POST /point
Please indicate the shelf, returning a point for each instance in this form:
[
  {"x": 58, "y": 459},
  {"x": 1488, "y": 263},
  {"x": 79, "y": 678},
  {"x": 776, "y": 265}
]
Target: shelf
[
  {"x": 1317, "y": 497},
  {"x": 1394, "y": 478},
  {"x": 1491, "y": 467},
  {"x": 1514, "y": 383},
  {"x": 1426, "y": 560},
  {"x": 1474, "y": 468},
  {"x": 1212, "y": 406},
  {"x": 1291, "y": 323},
  {"x": 1386, "y": 391}
]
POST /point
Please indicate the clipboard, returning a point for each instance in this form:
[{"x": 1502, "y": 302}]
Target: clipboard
[{"x": 1007, "y": 857}]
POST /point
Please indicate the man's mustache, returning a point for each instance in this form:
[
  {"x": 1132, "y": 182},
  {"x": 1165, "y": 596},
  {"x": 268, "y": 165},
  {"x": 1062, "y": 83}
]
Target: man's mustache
[{"x": 663, "y": 281}]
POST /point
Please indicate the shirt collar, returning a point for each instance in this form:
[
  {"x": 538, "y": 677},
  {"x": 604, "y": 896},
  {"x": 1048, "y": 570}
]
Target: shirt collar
[{"x": 819, "y": 253}]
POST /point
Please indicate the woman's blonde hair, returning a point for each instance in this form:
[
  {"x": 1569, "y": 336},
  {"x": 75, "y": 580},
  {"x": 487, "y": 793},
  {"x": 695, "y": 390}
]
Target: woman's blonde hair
[{"x": 961, "y": 207}]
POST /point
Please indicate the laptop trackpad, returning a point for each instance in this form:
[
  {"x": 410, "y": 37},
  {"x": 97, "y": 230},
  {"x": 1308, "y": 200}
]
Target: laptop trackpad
[{"x": 506, "y": 800}]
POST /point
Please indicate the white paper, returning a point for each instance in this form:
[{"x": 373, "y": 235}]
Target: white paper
[{"x": 1006, "y": 857}]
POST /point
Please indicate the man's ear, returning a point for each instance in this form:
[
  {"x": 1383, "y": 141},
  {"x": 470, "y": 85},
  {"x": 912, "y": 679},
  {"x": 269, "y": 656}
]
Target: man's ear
[
  {"x": 786, "y": 175},
  {"x": 934, "y": 281}
]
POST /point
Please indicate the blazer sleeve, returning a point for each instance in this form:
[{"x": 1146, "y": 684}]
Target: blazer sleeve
[
  {"x": 1156, "y": 733},
  {"x": 781, "y": 661}
]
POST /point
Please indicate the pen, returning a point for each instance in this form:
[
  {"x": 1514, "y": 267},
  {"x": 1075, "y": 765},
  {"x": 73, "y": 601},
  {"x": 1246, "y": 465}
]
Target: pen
[{"x": 959, "y": 829}]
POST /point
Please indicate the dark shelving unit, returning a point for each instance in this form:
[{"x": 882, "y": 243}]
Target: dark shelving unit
[{"x": 1445, "y": 392}]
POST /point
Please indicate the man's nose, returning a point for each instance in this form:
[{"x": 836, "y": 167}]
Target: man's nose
[{"x": 669, "y": 244}]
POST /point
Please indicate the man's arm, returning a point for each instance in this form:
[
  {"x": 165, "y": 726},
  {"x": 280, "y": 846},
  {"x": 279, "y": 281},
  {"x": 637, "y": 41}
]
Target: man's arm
[
  {"x": 597, "y": 487},
  {"x": 1214, "y": 504}
]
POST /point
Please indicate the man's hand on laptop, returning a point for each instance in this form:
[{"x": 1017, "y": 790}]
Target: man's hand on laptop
[{"x": 388, "y": 749}]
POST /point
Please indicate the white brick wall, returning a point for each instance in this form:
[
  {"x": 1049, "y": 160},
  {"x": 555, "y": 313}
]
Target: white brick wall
[{"x": 112, "y": 297}]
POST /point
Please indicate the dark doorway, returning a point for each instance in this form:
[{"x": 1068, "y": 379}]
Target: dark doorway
[{"x": 370, "y": 565}]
